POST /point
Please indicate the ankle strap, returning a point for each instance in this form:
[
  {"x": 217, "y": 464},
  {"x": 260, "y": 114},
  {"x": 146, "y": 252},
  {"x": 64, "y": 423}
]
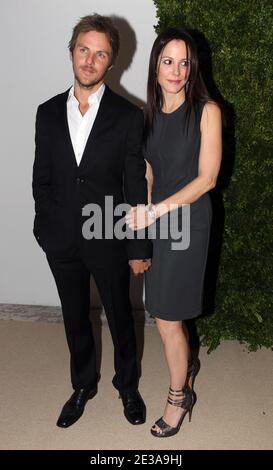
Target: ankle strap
[
  {"x": 175, "y": 392},
  {"x": 182, "y": 398},
  {"x": 175, "y": 397}
]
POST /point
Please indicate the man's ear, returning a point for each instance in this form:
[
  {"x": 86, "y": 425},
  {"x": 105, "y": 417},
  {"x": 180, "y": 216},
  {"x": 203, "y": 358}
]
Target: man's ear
[{"x": 70, "y": 55}]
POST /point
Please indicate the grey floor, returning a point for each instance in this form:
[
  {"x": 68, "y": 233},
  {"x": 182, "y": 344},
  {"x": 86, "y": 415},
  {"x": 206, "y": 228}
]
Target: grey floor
[{"x": 234, "y": 388}]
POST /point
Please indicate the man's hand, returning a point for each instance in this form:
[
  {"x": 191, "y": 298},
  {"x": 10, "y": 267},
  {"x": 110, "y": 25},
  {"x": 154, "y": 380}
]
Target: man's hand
[{"x": 139, "y": 266}]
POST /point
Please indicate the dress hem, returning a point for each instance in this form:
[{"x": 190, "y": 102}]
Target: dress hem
[{"x": 164, "y": 316}]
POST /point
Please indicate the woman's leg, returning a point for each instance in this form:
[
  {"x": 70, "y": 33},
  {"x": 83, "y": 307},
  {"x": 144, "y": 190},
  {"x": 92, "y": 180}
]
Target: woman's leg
[
  {"x": 193, "y": 363},
  {"x": 176, "y": 348}
]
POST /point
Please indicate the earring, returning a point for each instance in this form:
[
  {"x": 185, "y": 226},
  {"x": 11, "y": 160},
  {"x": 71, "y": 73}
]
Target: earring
[{"x": 187, "y": 86}]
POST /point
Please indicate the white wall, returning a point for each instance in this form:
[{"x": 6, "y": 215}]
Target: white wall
[{"x": 35, "y": 65}]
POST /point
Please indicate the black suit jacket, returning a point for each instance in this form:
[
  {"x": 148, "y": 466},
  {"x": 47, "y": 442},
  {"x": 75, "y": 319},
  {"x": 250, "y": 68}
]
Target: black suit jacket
[{"x": 112, "y": 164}]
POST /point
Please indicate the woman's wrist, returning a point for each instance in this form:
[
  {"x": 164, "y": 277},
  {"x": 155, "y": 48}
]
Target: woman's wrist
[
  {"x": 151, "y": 210},
  {"x": 157, "y": 210}
]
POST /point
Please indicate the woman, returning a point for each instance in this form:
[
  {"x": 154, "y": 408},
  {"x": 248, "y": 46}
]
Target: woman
[{"x": 183, "y": 155}]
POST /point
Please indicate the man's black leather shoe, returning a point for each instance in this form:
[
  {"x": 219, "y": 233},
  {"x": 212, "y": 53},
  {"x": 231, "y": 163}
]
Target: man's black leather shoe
[
  {"x": 134, "y": 407},
  {"x": 74, "y": 407}
]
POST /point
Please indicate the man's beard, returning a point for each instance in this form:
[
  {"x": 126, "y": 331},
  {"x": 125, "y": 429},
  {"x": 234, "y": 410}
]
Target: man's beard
[{"x": 90, "y": 84}]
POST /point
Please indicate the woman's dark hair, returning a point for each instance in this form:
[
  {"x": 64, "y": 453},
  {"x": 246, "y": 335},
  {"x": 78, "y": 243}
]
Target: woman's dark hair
[
  {"x": 195, "y": 88},
  {"x": 101, "y": 24}
]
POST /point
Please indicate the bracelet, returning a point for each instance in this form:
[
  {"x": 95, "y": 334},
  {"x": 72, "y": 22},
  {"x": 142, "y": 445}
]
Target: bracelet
[{"x": 151, "y": 212}]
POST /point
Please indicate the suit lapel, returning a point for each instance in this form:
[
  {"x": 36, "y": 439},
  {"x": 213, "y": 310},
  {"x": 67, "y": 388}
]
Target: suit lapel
[
  {"x": 103, "y": 120},
  {"x": 64, "y": 128}
]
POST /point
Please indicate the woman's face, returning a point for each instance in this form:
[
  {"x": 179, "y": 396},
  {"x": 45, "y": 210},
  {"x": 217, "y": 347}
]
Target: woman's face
[{"x": 173, "y": 67}]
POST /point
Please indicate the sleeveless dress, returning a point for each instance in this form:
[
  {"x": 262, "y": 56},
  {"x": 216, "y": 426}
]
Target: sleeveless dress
[{"x": 174, "y": 283}]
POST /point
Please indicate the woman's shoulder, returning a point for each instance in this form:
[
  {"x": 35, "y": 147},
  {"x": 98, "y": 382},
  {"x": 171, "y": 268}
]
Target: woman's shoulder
[
  {"x": 211, "y": 113},
  {"x": 211, "y": 107}
]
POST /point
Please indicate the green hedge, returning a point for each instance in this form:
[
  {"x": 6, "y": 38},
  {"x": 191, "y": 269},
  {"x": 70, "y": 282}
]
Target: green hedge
[{"x": 239, "y": 71}]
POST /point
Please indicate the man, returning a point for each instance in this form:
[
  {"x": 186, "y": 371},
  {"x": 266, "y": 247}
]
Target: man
[{"x": 88, "y": 146}]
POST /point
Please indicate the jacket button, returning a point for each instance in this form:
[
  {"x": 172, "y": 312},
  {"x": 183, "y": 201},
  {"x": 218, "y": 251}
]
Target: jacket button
[{"x": 78, "y": 180}]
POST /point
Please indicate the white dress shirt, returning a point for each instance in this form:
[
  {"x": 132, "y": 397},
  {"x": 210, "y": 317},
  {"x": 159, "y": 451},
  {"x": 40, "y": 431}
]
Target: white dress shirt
[{"x": 80, "y": 126}]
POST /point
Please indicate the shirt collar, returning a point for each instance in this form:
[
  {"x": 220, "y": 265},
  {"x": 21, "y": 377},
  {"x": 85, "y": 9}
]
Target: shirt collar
[{"x": 92, "y": 99}]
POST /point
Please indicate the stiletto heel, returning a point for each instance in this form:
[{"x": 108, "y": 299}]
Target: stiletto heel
[
  {"x": 190, "y": 410},
  {"x": 184, "y": 398}
]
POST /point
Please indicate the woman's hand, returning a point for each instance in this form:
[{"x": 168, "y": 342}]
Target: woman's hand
[{"x": 140, "y": 216}]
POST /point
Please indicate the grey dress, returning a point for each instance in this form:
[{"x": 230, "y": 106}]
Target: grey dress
[{"x": 174, "y": 283}]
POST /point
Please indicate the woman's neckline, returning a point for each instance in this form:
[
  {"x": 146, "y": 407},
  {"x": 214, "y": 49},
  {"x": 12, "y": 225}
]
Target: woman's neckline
[{"x": 175, "y": 110}]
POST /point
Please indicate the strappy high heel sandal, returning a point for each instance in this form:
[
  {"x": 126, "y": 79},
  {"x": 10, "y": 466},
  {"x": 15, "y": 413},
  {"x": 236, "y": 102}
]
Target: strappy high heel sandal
[
  {"x": 184, "y": 398},
  {"x": 193, "y": 369}
]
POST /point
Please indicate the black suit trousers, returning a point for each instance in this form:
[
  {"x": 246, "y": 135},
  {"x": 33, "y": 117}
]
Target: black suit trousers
[{"x": 72, "y": 277}]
